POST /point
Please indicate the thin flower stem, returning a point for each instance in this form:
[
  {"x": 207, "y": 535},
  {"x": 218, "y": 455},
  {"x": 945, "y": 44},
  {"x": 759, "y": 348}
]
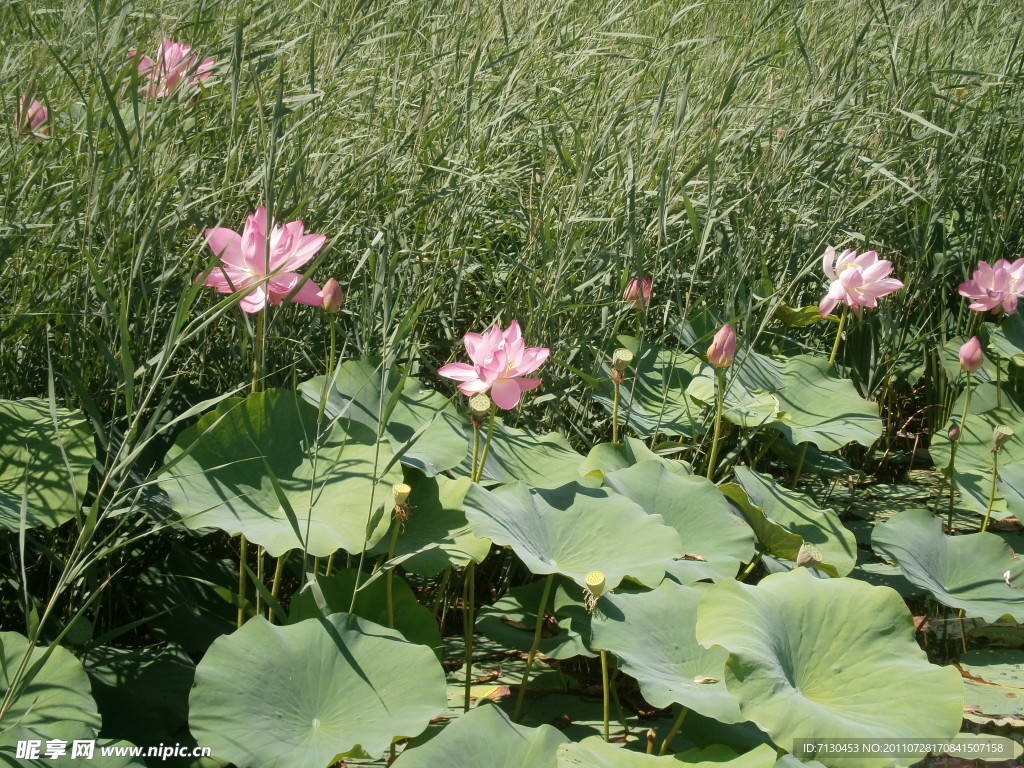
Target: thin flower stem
[
  {"x": 950, "y": 468},
  {"x": 243, "y": 555},
  {"x": 468, "y": 598},
  {"x": 476, "y": 453},
  {"x": 999, "y": 381},
  {"x": 604, "y": 686},
  {"x": 487, "y": 446},
  {"x": 675, "y": 729},
  {"x": 839, "y": 334},
  {"x": 257, "y": 351},
  {"x": 719, "y": 401},
  {"x": 259, "y": 580},
  {"x": 275, "y": 585},
  {"x": 396, "y": 525},
  {"x": 533, "y": 648},
  {"x": 992, "y": 489},
  {"x": 799, "y": 467},
  {"x": 615, "y": 412}
]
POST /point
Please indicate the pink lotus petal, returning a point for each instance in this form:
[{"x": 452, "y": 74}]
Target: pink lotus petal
[{"x": 505, "y": 393}]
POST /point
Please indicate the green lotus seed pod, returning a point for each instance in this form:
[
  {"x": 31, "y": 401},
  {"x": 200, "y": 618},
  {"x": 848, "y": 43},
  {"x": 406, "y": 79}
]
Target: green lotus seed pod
[
  {"x": 480, "y": 404},
  {"x": 621, "y": 359},
  {"x": 596, "y": 583},
  {"x": 808, "y": 555},
  {"x": 401, "y": 492},
  {"x": 1001, "y": 436}
]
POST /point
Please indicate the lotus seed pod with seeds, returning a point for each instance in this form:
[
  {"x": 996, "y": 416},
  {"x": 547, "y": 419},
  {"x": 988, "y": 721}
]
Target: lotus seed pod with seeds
[
  {"x": 480, "y": 404},
  {"x": 1001, "y": 436},
  {"x": 596, "y": 583},
  {"x": 401, "y": 492},
  {"x": 808, "y": 555},
  {"x": 621, "y": 359}
]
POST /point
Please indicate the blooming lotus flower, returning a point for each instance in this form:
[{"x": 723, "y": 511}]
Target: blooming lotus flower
[
  {"x": 174, "y": 65},
  {"x": 30, "y": 118},
  {"x": 995, "y": 288},
  {"x": 858, "y": 280},
  {"x": 246, "y": 263},
  {"x": 638, "y": 290},
  {"x": 501, "y": 360},
  {"x": 332, "y": 296},
  {"x": 722, "y": 351},
  {"x": 971, "y": 358}
]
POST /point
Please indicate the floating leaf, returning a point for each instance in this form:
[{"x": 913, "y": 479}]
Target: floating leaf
[
  {"x": 715, "y": 539},
  {"x": 422, "y": 424},
  {"x": 485, "y": 738},
  {"x": 788, "y": 518},
  {"x": 606, "y": 458},
  {"x": 573, "y": 530},
  {"x": 44, "y": 459},
  {"x": 594, "y": 752},
  {"x": 824, "y": 653},
  {"x": 994, "y": 683},
  {"x": 653, "y": 636},
  {"x": 960, "y": 571},
  {"x": 277, "y": 697},
  {"x": 262, "y": 466}
]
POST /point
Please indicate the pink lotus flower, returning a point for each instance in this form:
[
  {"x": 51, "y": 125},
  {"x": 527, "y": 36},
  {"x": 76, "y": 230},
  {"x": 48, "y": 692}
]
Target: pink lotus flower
[
  {"x": 971, "y": 358},
  {"x": 174, "y": 65},
  {"x": 246, "y": 266},
  {"x": 995, "y": 288},
  {"x": 32, "y": 118},
  {"x": 858, "y": 280},
  {"x": 638, "y": 290},
  {"x": 500, "y": 361},
  {"x": 722, "y": 351},
  {"x": 332, "y": 296}
]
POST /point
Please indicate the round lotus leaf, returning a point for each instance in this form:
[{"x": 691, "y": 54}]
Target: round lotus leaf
[
  {"x": 606, "y": 458},
  {"x": 653, "y": 399},
  {"x": 994, "y": 683},
  {"x": 75, "y": 754},
  {"x": 540, "y": 461},
  {"x": 966, "y": 572},
  {"x": 715, "y": 539},
  {"x": 263, "y": 466},
  {"x": 512, "y": 620},
  {"x": 653, "y": 636},
  {"x": 574, "y": 530},
  {"x": 279, "y": 697},
  {"x": 45, "y": 460},
  {"x": 485, "y": 738},
  {"x": 828, "y": 659},
  {"x": 745, "y": 405},
  {"x": 416, "y": 623},
  {"x": 436, "y": 535},
  {"x": 57, "y": 689},
  {"x": 594, "y": 752},
  {"x": 784, "y": 519},
  {"x": 420, "y": 424}
]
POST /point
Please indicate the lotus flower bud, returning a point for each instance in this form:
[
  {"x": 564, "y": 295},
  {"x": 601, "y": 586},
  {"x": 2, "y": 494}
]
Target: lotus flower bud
[
  {"x": 332, "y": 296},
  {"x": 621, "y": 359},
  {"x": 638, "y": 290},
  {"x": 809, "y": 555},
  {"x": 953, "y": 433},
  {"x": 596, "y": 586},
  {"x": 722, "y": 351},
  {"x": 30, "y": 116},
  {"x": 971, "y": 358},
  {"x": 1001, "y": 436}
]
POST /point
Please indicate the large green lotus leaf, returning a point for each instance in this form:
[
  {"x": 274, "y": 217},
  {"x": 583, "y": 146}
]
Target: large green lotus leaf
[
  {"x": 653, "y": 398},
  {"x": 994, "y": 683},
  {"x": 973, "y": 468},
  {"x": 715, "y": 539},
  {"x": 828, "y": 659},
  {"x": 436, "y": 535},
  {"x": 963, "y": 572},
  {"x": 819, "y": 408},
  {"x": 594, "y": 752},
  {"x": 414, "y": 621},
  {"x": 573, "y": 530},
  {"x": 279, "y": 697},
  {"x": 256, "y": 466},
  {"x": 796, "y": 514},
  {"x": 1007, "y": 339},
  {"x": 512, "y": 620},
  {"x": 606, "y": 458},
  {"x": 422, "y": 425},
  {"x": 653, "y": 636},
  {"x": 745, "y": 405},
  {"x": 485, "y": 738},
  {"x": 69, "y": 731},
  {"x": 540, "y": 461},
  {"x": 44, "y": 460},
  {"x": 56, "y": 698}
]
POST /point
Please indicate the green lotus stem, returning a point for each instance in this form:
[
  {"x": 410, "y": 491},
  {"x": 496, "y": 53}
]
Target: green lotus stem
[
  {"x": 479, "y": 471},
  {"x": 476, "y": 454},
  {"x": 442, "y": 588},
  {"x": 675, "y": 729},
  {"x": 604, "y": 686},
  {"x": 615, "y": 415},
  {"x": 275, "y": 585},
  {"x": 468, "y": 598},
  {"x": 750, "y": 568},
  {"x": 533, "y": 648},
  {"x": 719, "y": 402},
  {"x": 839, "y": 334},
  {"x": 992, "y": 490},
  {"x": 799, "y": 467},
  {"x": 952, "y": 455},
  {"x": 330, "y": 565},
  {"x": 257, "y": 353},
  {"x": 332, "y": 360},
  {"x": 243, "y": 555},
  {"x": 259, "y": 579},
  {"x": 389, "y": 576},
  {"x": 999, "y": 380}
]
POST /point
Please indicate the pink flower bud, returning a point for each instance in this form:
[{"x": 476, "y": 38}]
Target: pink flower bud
[
  {"x": 722, "y": 351},
  {"x": 971, "y": 358},
  {"x": 332, "y": 296},
  {"x": 31, "y": 116},
  {"x": 638, "y": 291}
]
